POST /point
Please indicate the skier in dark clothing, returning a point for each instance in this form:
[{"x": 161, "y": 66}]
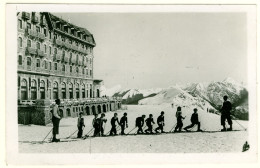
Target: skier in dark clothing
[
  {"x": 149, "y": 122},
  {"x": 123, "y": 123},
  {"x": 56, "y": 117},
  {"x": 179, "y": 120},
  {"x": 80, "y": 125},
  {"x": 139, "y": 122},
  {"x": 194, "y": 120},
  {"x": 102, "y": 120},
  {"x": 225, "y": 114},
  {"x": 96, "y": 125},
  {"x": 160, "y": 122},
  {"x": 113, "y": 124}
]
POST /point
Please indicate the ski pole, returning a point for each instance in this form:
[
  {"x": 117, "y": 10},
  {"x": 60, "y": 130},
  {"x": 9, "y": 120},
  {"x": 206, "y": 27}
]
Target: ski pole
[
  {"x": 110, "y": 130},
  {"x": 240, "y": 125},
  {"x": 131, "y": 130},
  {"x": 71, "y": 134},
  {"x": 172, "y": 128},
  {"x": 47, "y": 135}
]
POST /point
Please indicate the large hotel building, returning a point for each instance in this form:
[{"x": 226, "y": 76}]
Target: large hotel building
[{"x": 55, "y": 60}]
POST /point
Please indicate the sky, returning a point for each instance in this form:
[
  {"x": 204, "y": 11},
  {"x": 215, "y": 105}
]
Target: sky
[{"x": 156, "y": 50}]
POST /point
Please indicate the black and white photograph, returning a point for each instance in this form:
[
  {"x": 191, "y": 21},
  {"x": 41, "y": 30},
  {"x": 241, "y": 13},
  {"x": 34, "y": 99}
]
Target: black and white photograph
[{"x": 125, "y": 80}]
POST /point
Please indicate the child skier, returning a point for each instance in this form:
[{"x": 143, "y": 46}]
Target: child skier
[
  {"x": 160, "y": 122},
  {"x": 96, "y": 124},
  {"x": 149, "y": 122},
  {"x": 80, "y": 125},
  {"x": 194, "y": 120},
  {"x": 179, "y": 120},
  {"x": 102, "y": 120},
  {"x": 139, "y": 122},
  {"x": 123, "y": 123},
  {"x": 113, "y": 124}
]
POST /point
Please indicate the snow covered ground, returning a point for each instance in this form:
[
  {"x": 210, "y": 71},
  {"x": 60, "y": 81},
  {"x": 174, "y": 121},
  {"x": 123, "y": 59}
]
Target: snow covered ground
[{"x": 31, "y": 136}]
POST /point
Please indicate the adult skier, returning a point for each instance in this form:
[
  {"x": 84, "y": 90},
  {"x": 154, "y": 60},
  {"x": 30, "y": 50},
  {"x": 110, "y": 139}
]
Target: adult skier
[
  {"x": 56, "y": 117},
  {"x": 225, "y": 114}
]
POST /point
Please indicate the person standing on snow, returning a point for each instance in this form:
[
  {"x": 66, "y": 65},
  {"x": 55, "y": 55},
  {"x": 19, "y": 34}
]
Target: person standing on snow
[
  {"x": 149, "y": 123},
  {"x": 113, "y": 124},
  {"x": 80, "y": 125},
  {"x": 194, "y": 120},
  {"x": 139, "y": 122},
  {"x": 160, "y": 122},
  {"x": 56, "y": 117},
  {"x": 123, "y": 123},
  {"x": 225, "y": 114},
  {"x": 179, "y": 118}
]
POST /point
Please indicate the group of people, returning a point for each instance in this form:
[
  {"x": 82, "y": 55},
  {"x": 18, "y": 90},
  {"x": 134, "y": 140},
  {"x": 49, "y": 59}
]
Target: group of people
[{"x": 99, "y": 123}]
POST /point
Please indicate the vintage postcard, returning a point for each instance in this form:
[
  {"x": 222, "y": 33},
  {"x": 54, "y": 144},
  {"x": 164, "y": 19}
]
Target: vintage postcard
[{"x": 131, "y": 84}]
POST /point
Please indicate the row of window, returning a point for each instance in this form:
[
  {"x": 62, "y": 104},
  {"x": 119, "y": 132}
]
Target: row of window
[
  {"x": 38, "y": 46},
  {"x": 45, "y": 65},
  {"x": 39, "y": 29},
  {"x": 24, "y": 91}
]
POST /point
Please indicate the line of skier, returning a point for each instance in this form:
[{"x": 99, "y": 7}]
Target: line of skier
[{"x": 99, "y": 123}]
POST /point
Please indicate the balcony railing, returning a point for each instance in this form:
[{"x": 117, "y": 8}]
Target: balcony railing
[
  {"x": 41, "y": 36},
  {"x": 58, "y": 42},
  {"x": 26, "y": 15},
  {"x": 40, "y": 53},
  {"x": 31, "y": 33},
  {"x": 30, "y": 50},
  {"x": 57, "y": 57}
]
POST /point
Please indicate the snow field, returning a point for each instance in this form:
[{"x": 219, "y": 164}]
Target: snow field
[{"x": 181, "y": 142}]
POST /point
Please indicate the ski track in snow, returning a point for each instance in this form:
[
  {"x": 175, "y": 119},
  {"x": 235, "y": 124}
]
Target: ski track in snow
[{"x": 162, "y": 143}]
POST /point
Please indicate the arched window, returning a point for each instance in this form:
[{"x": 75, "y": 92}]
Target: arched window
[
  {"x": 38, "y": 63},
  {"x": 45, "y": 48},
  {"x": 55, "y": 90},
  {"x": 50, "y": 50},
  {"x": 42, "y": 90},
  {"x": 29, "y": 43},
  {"x": 83, "y": 90},
  {"x": 70, "y": 68},
  {"x": 71, "y": 90},
  {"x": 70, "y": 58},
  {"x": 29, "y": 61},
  {"x": 77, "y": 69},
  {"x": 83, "y": 71},
  {"x": 63, "y": 55},
  {"x": 77, "y": 59},
  {"x": 45, "y": 64},
  {"x": 77, "y": 90},
  {"x": 90, "y": 61},
  {"x": 63, "y": 68},
  {"x": 63, "y": 90},
  {"x": 90, "y": 90},
  {"x": 24, "y": 90},
  {"x": 20, "y": 42},
  {"x": 33, "y": 90},
  {"x": 20, "y": 60}
]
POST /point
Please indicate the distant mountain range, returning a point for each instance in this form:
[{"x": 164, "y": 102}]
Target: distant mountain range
[{"x": 206, "y": 96}]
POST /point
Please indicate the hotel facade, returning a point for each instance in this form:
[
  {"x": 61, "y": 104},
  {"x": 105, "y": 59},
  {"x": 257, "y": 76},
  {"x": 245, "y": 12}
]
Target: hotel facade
[{"x": 55, "y": 61}]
